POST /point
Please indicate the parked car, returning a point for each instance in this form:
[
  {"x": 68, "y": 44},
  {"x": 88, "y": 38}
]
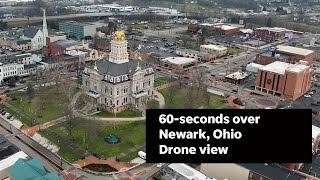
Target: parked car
[
  {"x": 159, "y": 165},
  {"x": 3, "y": 113},
  {"x": 12, "y": 118},
  {"x": 8, "y": 117},
  {"x": 6, "y": 114},
  {"x": 307, "y": 96}
]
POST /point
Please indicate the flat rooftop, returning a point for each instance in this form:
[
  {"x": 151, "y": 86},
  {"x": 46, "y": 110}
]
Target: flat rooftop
[
  {"x": 227, "y": 27},
  {"x": 277, "y": 55},
  {"x": 192, "y": 51},
  {"x": 237, "y": 75},
  {"x": 215, "y": 47},
  {"x": 273, "y": 29},
  {"x": 281, "y": 67},
  {"x": 179, "y": 60},
  {"x": 294, "y": 50},
  {"x": 187, "y": 171}
]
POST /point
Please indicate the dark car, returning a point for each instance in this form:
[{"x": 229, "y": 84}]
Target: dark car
[
  {"x": 9, "y": 117},
  {"x": 11, "y": 85},
  {"x": 3, "y": 113}
]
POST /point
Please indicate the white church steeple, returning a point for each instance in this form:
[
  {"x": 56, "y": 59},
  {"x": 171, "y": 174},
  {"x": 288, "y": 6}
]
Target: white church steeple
[
  {"x": 119, "y": 52},
  {"x": 44, "y": 28}
]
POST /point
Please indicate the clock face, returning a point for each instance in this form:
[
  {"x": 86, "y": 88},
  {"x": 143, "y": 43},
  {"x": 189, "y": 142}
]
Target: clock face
[{"x": 269, "y": 81}]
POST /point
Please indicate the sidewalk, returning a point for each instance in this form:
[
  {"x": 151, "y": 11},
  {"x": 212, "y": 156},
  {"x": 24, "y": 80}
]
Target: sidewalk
[{"x": 160, "y": 98}]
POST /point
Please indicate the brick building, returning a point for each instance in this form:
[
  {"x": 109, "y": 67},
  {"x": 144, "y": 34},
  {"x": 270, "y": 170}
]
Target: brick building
[
  {"x": 60, "y": 46},
  {"x": 178, "y": 64},
  {"x": 250, "y": 171},
  {"x": 270, "y": 57},
  {"x": 270, "y": 34},
  {"x": 289, "y": 81},
  {"x": 296, "y": 54},
  {"x": 214, "y": 29},
  {"x": 287, "y": 54}
]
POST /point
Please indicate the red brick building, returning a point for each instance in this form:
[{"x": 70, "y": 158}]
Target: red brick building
[
  {"x": 296, "y": 54},
  {"x": 270, "y": 34},
  {"x": 214, "y": 29},
  {"x": 287, "y": 54},
  {"x": 289, "y": 81},
  {"x": 59, "y": 47}
]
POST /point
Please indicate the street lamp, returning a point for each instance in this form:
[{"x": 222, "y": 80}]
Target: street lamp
[{"x": 115, "y": 116}]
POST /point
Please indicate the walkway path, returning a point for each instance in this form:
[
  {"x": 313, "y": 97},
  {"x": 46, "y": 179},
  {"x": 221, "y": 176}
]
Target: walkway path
[
  {"x": 160, "y": 98},
  {"x": 32, "y": 130}
]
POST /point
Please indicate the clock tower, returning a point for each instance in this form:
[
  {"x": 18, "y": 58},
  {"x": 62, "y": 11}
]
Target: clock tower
[{"x": 119, "y": 52}]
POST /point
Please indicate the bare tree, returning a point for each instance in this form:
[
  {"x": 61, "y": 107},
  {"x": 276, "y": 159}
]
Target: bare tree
[
  {"x": 199, "y": 77},
  {"x": 180, "y": 76},
  {"x": 90, "y": 130},
  {"x": 190, "y": 100},
  {"x": 171, "y": 93}
]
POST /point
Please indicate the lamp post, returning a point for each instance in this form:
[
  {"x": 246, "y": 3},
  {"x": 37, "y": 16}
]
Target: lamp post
[{"x": 115, "y": 116}]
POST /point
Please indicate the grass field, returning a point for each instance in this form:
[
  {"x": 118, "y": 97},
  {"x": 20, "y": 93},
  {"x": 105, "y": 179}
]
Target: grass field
[
  {"x": 130, "y": 133},
  {"x": 52, "y": 104},
  {"x": 123, "y": 114},
  {"x": 235, "y": 51},
  {"x": 160, "y": 81},
  {"x": 130, "y": 156},
  {"x": 22, "y": 23},
  {"x": 193, "y": 47},
  {"x": 179, "y": 99},
  {"x": 65, "y": 151}
]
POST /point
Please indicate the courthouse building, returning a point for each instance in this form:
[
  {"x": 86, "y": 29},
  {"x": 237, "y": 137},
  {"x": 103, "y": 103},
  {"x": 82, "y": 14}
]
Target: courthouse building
[{"x": 118, "y": 82}]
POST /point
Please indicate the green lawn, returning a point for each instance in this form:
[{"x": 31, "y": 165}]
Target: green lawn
[
  {"x": 193, "y": 47},
  {"x": 22, "y": 23},
  {"x": 131, "y": 133},
  {"x": 65, "y": 151},
  {"x": 130, "y": 156},
  {"x": 160, "y": 81},
  {"x": 52, "y": 104},
  {"x": 228, "y": 107},
  {"x": 234, "y": 51},
  {"x": 123, "y": 114},
  {"x": 16, "y": 115},
  {"x": 180, "y": 94}
]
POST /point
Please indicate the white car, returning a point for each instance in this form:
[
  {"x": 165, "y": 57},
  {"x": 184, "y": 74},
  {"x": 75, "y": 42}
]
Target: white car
[
  {"x": 311, "y": 93},
  {"x": 159, "y": 165},
  {"x": 6, "y": 115},
  {"x": 307, "y": 96}
]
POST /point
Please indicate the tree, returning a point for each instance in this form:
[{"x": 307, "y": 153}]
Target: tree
[
  {"x": 3, "y": 25},
  {"x": 269, "y": 22},
  {"x": 199, "y": 77},
  {"x": 90, "y": 132},
  {"x": 30, "y": 91},
  {"x": 190, "y": 99},
  {"x": 153, "y": 104},
  {"x": 171, "y": 93},
  {"x": 264, "y": 8}
]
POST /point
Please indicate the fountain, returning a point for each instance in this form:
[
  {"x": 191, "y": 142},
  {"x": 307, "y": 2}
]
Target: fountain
[{"x": 112, "y": 139}]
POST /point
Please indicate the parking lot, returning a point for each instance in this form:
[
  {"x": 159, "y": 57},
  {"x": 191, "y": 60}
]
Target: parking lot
[{"x": 164, "y": 48}]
